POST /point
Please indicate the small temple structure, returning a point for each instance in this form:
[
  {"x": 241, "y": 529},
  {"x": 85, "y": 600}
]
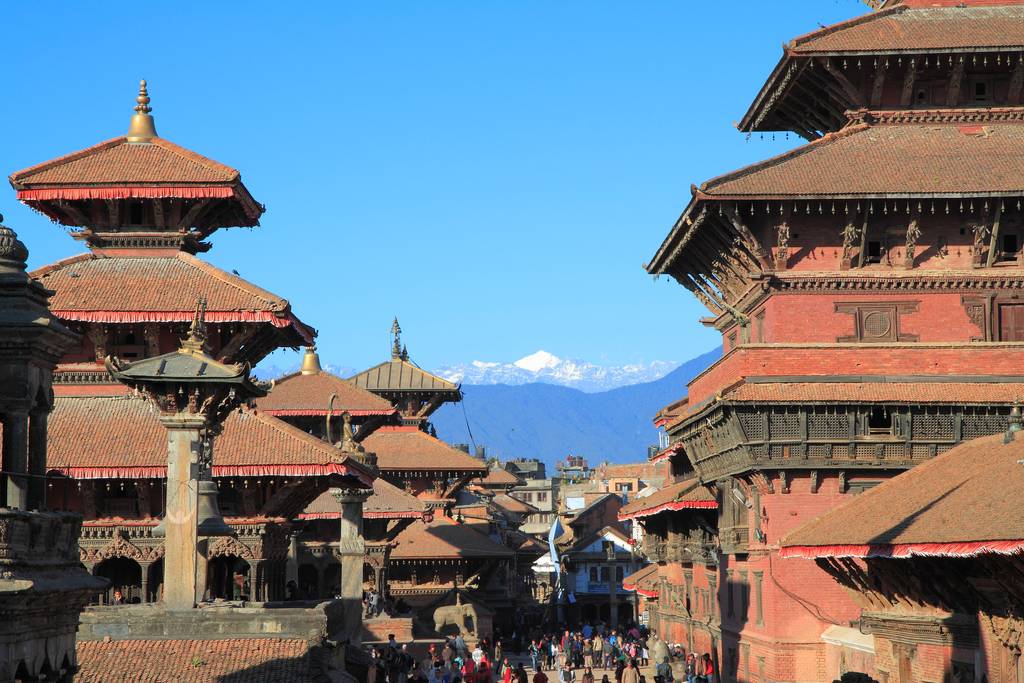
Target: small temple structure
[{"x": 866, "y": 286}]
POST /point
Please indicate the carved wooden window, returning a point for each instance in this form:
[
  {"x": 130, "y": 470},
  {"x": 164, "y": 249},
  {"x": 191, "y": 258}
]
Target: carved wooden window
[
  {"x": 784, "y": 426},
  {"x": 1010, "y": 244},
  {"x": 933, "y": 426},
  {"x": 982, "y": 424},
  {"x": 831, "y": 426},
  {"x": 753, "y": 425},
  {"x": 877, "y": 322}
]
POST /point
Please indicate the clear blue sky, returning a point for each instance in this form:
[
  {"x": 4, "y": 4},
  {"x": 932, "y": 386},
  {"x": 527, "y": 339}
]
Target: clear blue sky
[{"x": 494, "y": 173}]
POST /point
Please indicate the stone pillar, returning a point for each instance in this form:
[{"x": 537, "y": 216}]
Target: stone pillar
[
  {"x": 202, "y": 568},
  {"x": 350, "y": 554},
  {"x": 255, "y": 594},
  {"x": 613, "y": 607},
  {"x": 291, "y": 569},
  {"x": 37, "y": 459},
  {"x": 145, "y": 580},
  {"x": 15, "y": 458},
  {"x": 181, "y": 556}
]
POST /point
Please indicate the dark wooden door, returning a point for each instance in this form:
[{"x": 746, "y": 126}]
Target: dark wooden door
[{"x": 1011, "y": 322}]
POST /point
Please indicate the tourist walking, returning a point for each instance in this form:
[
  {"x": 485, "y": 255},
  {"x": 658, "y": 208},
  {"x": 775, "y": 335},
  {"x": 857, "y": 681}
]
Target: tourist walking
[
  {"x": 597, "y": 650},
  {"x": 535, "y": 654},
  {"x": 631, "y": 674}
]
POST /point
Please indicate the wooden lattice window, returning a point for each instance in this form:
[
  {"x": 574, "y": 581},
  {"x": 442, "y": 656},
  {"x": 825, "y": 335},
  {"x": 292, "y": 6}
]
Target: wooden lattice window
[
  {"x": 753, "y": 426},
  {"x": 784, "y": 425},
  {"x": 831, "y": 426}
]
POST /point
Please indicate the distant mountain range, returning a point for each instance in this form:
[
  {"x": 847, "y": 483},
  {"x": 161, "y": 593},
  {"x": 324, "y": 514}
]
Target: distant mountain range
[
  {"x": 550, "y": 369},
  {"x": 547, "y": 421}
]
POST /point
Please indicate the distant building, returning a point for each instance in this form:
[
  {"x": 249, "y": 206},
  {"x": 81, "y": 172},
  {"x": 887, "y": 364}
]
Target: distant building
[{"x": 527, "y": 468}]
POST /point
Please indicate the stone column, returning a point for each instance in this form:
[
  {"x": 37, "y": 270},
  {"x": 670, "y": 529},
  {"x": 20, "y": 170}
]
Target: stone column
[
  {"x": 145, "y": 580},
  {"x": 37, "y": 459},
  {"x": 15, "y": 458},
  {"x": 350, "y": 554},
  {"x": 255, "y": 594},
  {"x": 291, "y": 568},
  {"x": 181, "y": 556}
]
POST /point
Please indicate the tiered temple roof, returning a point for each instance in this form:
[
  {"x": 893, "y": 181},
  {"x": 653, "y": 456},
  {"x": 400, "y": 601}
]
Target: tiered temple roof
[
  {"x": 120, "y": 437},
  {"x": 98, "y": 288}
]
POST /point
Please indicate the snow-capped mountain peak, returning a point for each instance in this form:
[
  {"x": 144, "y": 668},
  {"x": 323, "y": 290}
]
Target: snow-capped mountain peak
[
  {"x": 536, "y": 362},
  {"x": 546, "y": 367}
]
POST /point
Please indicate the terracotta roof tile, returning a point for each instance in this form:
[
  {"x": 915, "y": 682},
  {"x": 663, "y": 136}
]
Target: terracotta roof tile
[
  {"x": 409, "y": 448},
  {"x": 907, "y": 28},
  {"x": 497, "y": 476},
  {"x": 877, "y": 160},
  {"x": 512, "y": 504},
  {"x": 257, "y": 660},
  {"x": 120, "y": 436},
  {"x": 299, "y": 394},
  {"x": 684, "y": 495},
  {"x": 877, "y": 392},
  {"x": 119, "y": 162},
  {"x": 400, "y": 375},
  {"x": 91, "y": 282},
  {"x": 387, "y": 502},
  {"x": 444, "y": 538},
  {"x": 922, "y": 511}
]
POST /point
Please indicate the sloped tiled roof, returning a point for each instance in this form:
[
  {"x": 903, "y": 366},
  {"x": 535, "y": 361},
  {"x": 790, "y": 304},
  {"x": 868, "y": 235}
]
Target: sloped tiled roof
[
  {"x": 512, "y": 504},
  {"x": 964, "y": 502},
  {"x": 923, "y": 158},
  {"x": 117, "y": 161},
  {"x": 410, "y": 448},
  {"x": 121, "y": 289},
  {"x": 118, "y": 169},
  {"x": 908, "y": 28},
  {"x": 497, "y": 476},
  {"x": 300, "y": 394},
  {"x": 401, "y": 375},
  {"x": 387, "y": 502},
  {"x": 444, "y": 538},
  {"x": 689, "y": 494},
  {"x": 121, "y": 437},
  {"x": 255, "y": 660}
]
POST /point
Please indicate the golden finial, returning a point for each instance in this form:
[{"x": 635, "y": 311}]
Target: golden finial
[
  {"x": 142, "y": 127},
  {"x": 310, "y": 362}
]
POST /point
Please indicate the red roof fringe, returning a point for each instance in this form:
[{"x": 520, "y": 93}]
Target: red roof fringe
[
  {"x": 156, "y": 192},
  {"x": 313, "y": 412},
  {"x": 405, "y": 514},
  {"x": 664, "y": 455},
  {"x": 218, "y": 471},
  {"x": 681, "y": 505},
  {"x": 905, "y": 550},
  {"x": 175, "y": 317}
]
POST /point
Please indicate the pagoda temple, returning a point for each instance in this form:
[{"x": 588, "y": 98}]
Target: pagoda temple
[
  {"x": 144, "y": 207},
  {"x": 867, "y": 289},
  {"x": 419, "y": 550}
]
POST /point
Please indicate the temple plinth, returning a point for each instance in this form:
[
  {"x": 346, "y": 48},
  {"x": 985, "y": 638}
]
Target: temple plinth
[{"x": 194, "y": 394}]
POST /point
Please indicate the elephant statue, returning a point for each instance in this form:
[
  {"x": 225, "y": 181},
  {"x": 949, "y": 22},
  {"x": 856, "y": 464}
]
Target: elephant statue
[{"x": 456, "y": 619}]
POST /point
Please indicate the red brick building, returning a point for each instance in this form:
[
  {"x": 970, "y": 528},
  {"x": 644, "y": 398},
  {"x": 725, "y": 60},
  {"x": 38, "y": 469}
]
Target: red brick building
[{"x": 867, "y": 289}]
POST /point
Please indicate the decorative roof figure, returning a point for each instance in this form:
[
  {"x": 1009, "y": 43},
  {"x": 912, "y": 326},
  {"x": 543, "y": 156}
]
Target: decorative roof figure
[{"x": 396, "y": 340}]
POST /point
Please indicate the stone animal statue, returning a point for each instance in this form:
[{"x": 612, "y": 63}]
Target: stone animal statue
[{"x": 456, "y": 619}]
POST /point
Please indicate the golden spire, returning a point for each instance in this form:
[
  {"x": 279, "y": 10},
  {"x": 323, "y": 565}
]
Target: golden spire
[
  {"x": 142, "y": 128},
  {"x": 311, "y": 362}
]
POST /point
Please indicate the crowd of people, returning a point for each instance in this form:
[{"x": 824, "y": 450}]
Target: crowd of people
[{"x": 572, "y": 656}]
